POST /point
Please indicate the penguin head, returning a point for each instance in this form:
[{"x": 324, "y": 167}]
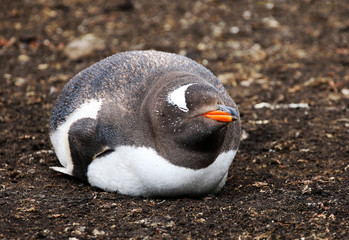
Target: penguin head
[{"x": 190, "y": 121}]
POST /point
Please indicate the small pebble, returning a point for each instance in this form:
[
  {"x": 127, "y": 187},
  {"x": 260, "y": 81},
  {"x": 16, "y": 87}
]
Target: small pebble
[{"x": 84, "y": 46}]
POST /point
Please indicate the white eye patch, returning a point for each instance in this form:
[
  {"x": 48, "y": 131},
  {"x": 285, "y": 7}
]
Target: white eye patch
[{"x": 177, "y": 97}]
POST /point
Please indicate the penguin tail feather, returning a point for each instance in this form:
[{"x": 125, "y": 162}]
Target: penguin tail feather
[{"x": 61, "y": 170}]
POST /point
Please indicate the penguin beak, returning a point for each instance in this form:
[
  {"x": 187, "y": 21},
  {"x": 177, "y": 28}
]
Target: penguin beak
[{"x": 223, "y": 114}]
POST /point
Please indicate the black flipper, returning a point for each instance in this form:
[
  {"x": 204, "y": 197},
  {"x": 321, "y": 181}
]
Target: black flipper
[{"x": 85, "y": 145}]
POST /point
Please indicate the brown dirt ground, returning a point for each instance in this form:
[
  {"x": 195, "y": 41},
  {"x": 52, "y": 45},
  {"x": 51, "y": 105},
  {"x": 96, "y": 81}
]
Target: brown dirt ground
[{"x": 290, "y": 179}]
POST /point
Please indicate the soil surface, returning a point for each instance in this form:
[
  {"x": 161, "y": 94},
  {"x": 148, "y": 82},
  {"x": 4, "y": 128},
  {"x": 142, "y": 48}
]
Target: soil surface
[{"x": 285, "y": 63}]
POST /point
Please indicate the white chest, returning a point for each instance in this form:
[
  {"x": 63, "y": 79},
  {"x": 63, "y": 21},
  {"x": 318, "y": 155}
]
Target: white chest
[{"x": 142, "y": 172}]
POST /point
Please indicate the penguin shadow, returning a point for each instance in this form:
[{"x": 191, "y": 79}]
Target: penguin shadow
[
  {"x": 71, "y": 181},
  {"x": 252, "y": 150}
]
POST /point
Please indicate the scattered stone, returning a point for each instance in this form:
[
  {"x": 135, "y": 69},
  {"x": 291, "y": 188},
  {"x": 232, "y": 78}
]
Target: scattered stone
[
  {"x": 281, "y": 106},
  {"x": 202, "y": 46},
  {"x": 346, "y": 168},
  {"x": 262, "y": 105},
  {"x": 306, "y": 189},
  {"x": 23, "y": 58},
  {"x": 170, "y": 224},
  {"x": 234, "y": 29},
  {"x": 227, "y": 78},
  {"x": 19, "y": 82},
  {"x": 84, "y": 46},
  {"x": 200, "y": 220},
  {"x": 260, "y": 184},
  {"x": 345, "y": 91},
  {"x": 52, "y": 90},
  {"x": 329, "y": 135},
  {"x": 97, "y": 232},
  {"x": 247, "y": 15},
  {"x": 244, "y": 134},
  {"x": 259, "y": 122},
  {"x": 43, "y": 66},
  {"x": 182, "y": 52},
  {"x": 269, "y": 5},
  {"x": 256, "y": 53},
  {"x": 7, "y": 76},
  {"x": 217, "y": 30},
  {"x": 246, "y": 83},
  {"x": 270, "y": 22},
  {"x": 315, "y": 82}
]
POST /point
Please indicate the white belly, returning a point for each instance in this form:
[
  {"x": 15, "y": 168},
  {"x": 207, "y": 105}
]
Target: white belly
[{"x": 142, "y": 172}]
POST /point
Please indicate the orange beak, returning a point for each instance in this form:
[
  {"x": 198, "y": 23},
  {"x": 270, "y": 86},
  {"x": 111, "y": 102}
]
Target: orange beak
[{"x": 225, "y": 114}]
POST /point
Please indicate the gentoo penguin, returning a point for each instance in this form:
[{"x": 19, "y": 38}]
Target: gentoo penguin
[{"x": 146, "y": 123}]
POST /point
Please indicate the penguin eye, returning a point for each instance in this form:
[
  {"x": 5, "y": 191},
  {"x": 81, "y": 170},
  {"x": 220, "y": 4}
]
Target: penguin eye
[{"x": 177, "y": 98}]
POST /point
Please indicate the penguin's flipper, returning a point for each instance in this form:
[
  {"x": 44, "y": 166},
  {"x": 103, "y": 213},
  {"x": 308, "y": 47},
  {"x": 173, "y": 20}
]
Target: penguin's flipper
[
  {"x": 61, "y": 170},
  {"x": 85, "y": 144}
]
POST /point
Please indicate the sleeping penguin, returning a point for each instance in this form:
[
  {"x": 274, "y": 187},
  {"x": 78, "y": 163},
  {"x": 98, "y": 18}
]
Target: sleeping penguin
[{"x": 146, "y": 123}]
